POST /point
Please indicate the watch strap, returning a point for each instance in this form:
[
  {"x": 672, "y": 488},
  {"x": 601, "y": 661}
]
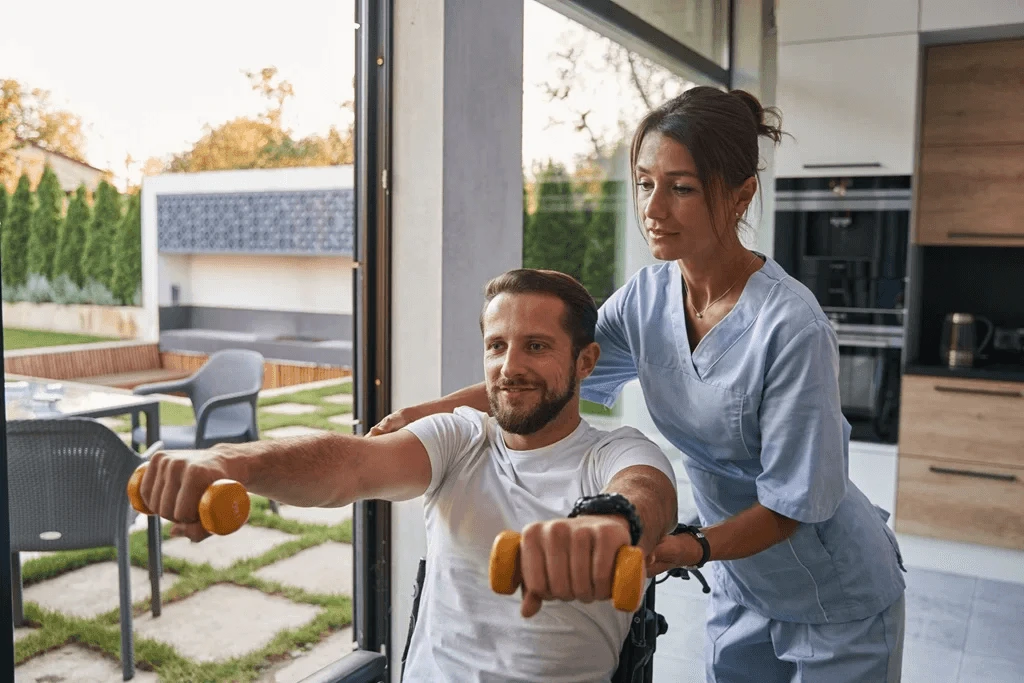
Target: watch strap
[
  {"x": 701, "y": 538},
  {"x": 611, "y": 504}
]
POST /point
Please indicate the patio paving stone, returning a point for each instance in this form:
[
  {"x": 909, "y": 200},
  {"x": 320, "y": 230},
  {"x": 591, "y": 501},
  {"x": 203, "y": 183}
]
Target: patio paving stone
[
  {"x": 325, "y": 569},
  {"x": 290, "y": 409},
  {"x": 224, "y": 621},
  {"x": 346, "y": 419},
  {"x": 75, "y": 664},
  {"x": 328, "y": 516},
  {"x": 20, "y": 633},
  {"x": 91, "y": 590},
  {"x": 340, "y": 399},
  {"x": 292, "y": 430},
  {"x": 327, "y": 651},
  {"x": 223, "y": 551}
]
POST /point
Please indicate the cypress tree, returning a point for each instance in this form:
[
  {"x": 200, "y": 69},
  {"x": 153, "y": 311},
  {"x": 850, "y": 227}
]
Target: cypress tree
[
  {"x": 71, "y": 239},
  {"x": 599, "y": 256},
  {"x": 557, "y": 239},
  {"x": 3, "y": 211},
  {"x": 15, "y": 236},
  {"x": 128, "y": 253},
  {"x": 99, "y": 238},
  {"x": 46, "y": 219}
]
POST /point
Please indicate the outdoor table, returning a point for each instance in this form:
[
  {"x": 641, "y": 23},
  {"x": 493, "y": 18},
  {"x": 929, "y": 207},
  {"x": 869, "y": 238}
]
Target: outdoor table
[{"x": 34, "y": 398}]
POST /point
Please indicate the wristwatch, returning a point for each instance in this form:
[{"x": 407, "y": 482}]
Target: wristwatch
[
  {"x": 611, "y": 504},
  {"x": 699, "y": 535}
]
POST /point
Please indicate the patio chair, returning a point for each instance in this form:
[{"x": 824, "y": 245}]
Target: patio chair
[
  {"x": 223, "y": 394},
  {"x": 67, "y": 482}
]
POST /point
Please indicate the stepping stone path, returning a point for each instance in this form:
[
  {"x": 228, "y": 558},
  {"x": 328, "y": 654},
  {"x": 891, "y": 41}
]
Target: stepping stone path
[
  {"x": 75, "y": 664},
  {"x": 328, "y": 516},
  {"x": 326, "y": 652},
  {"x": 224, "y": 621},
  {"x": 292, "y": 430},
  {"x": 20, "y": 633},
  {"x": 223, "y": 551},
  {"x": 290, "y": 409},
  {"x": 91, "y": 590},
  {"x": 342, "y": 420},
  {"x": 324, "y": 569},
  {"x": 340, "y": 399}
]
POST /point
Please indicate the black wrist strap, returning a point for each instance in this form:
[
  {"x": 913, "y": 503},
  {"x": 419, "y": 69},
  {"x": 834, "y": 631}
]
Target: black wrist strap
[
  {"x": 699, "y": 535},
  {"x": 611, "y": 504}
]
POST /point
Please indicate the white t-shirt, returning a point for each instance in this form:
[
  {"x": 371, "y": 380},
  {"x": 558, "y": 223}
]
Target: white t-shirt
[{"x": 466, "y": 632}]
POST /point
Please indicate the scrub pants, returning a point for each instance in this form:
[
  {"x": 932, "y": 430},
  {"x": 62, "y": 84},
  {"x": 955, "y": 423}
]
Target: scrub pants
[{"x": 743, "y": 646}]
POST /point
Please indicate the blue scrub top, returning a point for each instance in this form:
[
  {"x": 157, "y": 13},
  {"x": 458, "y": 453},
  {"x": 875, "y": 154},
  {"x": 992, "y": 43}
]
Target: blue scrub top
[{"x": 755, "y": 410}]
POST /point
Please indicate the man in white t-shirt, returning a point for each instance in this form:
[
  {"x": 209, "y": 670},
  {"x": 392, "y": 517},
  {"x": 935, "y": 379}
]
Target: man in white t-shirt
[{"x": 529, "y": 467}]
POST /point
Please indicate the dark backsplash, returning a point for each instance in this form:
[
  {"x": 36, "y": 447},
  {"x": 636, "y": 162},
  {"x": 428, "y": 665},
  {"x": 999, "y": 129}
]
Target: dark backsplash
[{"x": 984, "y": 281}]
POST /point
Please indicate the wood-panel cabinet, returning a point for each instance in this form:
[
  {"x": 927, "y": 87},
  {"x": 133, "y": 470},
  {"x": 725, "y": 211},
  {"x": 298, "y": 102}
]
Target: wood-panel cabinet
[
  {"x": 973, "y": 94},
  {"x": 971, "y": 195},
  {"x": 960, "y": 473}
]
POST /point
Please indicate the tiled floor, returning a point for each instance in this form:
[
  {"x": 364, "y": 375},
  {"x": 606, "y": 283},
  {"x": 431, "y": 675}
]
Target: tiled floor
[{"x": 958, "y": 630}]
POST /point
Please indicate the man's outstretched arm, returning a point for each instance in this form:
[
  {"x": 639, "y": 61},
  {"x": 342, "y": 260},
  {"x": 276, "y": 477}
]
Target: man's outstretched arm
[{"x": 320, "y": 471}]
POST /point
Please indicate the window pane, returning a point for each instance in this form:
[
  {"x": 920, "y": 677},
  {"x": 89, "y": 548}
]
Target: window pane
[
  {"x": 701, "y": 25},
  {"x": 175, "y": 184}
]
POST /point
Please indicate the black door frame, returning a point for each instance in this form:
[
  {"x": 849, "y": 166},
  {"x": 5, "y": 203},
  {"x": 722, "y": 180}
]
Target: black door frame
[{"x": 371, "y": 523}]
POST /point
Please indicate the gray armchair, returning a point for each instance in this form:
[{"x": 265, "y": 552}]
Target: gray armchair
[
  {"x": 67, "y": 481},
  {"x": 223, "y": 394}
]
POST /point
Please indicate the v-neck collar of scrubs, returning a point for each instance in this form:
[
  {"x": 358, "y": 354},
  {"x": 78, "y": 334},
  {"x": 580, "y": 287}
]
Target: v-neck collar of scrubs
[{"x": 725, "y": 332}]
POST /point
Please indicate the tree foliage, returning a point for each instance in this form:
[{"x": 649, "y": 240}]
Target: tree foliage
[
  {"x": 71, "y": 240},
  {"x": 27, "y": 115},
  {"x": 15, "y": 236},
  {"x": 96, "y": 261},
  {"x": 127, "y": 276},
  {"x": 262, "y": 142},
  {"x": 554, "y": 237},
  {"x": 599, "y": 253},
  {"x": 46, "y": 220}
]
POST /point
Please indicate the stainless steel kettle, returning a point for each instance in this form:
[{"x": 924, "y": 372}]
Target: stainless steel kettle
[{"x": 959, "y": 347}]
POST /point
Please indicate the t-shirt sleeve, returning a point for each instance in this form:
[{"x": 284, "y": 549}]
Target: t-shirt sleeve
[
  {"x": 803, "y": 431},
  {"x": 448, "y": 438},
  {"x": 627, "y": 447},
  {"x": 616, "y": 366}
]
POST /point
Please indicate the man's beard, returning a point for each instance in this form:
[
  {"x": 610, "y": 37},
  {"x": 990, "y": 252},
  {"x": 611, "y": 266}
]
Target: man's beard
[{"x": 523, "y": 422}]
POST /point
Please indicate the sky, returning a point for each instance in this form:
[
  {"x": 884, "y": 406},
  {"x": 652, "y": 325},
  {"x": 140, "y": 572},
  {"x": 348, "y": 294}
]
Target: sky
[{"x": 145, "y": 78}]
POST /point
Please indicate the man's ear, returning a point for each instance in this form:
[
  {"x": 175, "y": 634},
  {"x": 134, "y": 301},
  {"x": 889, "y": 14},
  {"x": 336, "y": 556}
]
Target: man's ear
[{"x": 587, "y": 360}]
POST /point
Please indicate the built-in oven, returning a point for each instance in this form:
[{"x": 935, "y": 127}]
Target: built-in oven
[{"x": 847, "y": 240}]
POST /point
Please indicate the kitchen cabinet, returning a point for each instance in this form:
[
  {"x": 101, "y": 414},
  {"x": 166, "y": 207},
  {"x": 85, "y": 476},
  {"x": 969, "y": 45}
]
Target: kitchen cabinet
[
  {"x": 850, "y": 106},
  {"x": 971, "y": 195},
  {"x": 961, "y": 465},
  {"x": 973, "y": 94},
  {"x": 814, "y": 20},
  {"x": 942, "y": 15}
]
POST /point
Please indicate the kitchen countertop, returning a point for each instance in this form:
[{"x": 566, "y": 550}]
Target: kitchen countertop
[{"x": 1000, "y": 373}]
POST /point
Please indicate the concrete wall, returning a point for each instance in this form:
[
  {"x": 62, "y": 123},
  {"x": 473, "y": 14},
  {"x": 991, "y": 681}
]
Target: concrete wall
[{"x": 303, "y": 284}]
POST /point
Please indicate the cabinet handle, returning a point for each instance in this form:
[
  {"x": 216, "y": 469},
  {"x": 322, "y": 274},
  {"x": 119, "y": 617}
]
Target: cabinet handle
[
  {"x": 972, "y": 473},
  {"x": 873, "y": 164},
  {"x": 1008, "y": 393},
  {"x": 985, "y": 235}
]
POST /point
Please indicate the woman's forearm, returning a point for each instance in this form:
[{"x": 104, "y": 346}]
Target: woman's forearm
[
  {"x": 474, "y": 396},
  {"x": 755, "y": 529}
]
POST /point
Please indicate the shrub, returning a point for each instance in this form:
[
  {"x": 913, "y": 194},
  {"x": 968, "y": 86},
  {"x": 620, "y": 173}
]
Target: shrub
[
  {"x": 71, "y": 240},
  {"x": 128, "y": 253},
  {"x": 15, "y": 236},
  {"x": 99, "y": 239},
  {"x": 45, "y": 225}
]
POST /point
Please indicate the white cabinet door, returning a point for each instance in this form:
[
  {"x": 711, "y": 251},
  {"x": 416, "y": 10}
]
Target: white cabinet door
[
  {"x": 850, "y": 106},
  {"x": 809, "y": 20},
  {"x": 940, "y": 15},
  {"x": 873, "y": 471}
]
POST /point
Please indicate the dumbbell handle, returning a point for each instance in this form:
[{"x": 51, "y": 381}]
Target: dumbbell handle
[
  {"x": 223, "y": 509},
  {"x": 627, "y": 584}
]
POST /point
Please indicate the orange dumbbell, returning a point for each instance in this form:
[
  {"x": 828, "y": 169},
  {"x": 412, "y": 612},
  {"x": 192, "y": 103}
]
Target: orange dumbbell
[
  {"x": 223, "y": 509},
  {"x": 627, "y": 584}
]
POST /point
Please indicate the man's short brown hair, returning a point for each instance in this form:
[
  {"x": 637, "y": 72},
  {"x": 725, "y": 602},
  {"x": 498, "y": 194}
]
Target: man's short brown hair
[{"x": 580, "y": 319}]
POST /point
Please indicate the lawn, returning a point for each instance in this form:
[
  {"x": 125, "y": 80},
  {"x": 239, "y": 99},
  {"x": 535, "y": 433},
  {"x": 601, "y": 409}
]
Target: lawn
[{"x": 15, "y": 338}]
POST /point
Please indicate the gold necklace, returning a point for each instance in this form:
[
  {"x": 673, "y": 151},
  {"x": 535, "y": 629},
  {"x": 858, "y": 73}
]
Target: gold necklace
[{"x": 700, "y": 314}]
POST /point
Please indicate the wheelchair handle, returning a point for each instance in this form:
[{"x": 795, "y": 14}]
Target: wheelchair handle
[
  {"x": 627, "y": 584},
  {"x": 223, "y": 509}
]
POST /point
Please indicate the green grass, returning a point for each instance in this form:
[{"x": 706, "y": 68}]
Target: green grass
[
  {"x": 15, "y": 338},
  {"x": 590, "y": 408},
  {"x": 102, "y": 632}
]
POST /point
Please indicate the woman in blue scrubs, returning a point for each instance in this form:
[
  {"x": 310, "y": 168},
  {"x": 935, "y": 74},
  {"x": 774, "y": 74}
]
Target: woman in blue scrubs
[{"x": 739, "y": 369}]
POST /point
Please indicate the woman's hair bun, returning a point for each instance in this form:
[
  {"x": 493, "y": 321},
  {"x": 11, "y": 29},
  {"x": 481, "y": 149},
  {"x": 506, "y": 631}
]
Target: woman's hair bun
[{"x": 768, "y": 120}]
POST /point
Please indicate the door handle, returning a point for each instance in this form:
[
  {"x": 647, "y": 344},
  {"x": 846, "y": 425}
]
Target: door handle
[
  {"x": 1007, "y": 393},
  {"x": 985, "y": 235},
  {"x": 872, "y": 164},
  {"x": 973, "y": 473}
]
